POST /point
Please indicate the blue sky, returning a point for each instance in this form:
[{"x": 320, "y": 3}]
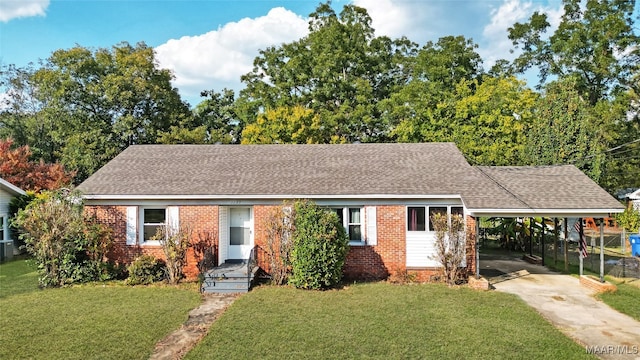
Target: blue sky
[{"x": 210, "y": 43}]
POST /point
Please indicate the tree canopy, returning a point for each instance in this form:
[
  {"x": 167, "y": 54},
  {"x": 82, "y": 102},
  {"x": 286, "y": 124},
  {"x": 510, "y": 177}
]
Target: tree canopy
[
  {"x": 342, "y": 83},
  {"x": 82, "y": 107}
]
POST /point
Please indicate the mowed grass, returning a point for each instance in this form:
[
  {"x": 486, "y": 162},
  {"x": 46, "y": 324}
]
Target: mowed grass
[
  {"x": 85, "y": 322},
  {"x": 17, "y": 277},
  {"x": 626, "y": 300},
  {"x": 383, "y": 321}
]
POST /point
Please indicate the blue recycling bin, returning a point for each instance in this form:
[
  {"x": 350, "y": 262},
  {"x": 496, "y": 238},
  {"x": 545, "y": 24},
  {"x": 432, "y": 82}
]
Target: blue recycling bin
[{"x": 635, "y": 244}]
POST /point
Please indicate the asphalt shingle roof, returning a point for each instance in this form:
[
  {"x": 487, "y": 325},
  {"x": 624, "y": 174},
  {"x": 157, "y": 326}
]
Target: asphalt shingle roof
[
  {"x": 551, "y": 187},
  {"x": 424, "y": 169}
]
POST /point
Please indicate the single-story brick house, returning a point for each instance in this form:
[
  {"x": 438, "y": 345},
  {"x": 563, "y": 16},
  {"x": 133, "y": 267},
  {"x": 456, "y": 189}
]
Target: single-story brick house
[
  {"x": 385, "y": 194},
  {"x": 7, "y": 192}
]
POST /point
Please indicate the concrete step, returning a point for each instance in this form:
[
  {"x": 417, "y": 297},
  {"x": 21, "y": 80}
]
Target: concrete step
[{"x": 216, "y": 281}]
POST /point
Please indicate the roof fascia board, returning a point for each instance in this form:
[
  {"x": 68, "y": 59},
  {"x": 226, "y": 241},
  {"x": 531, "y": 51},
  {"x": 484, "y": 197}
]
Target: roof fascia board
[
  {"x": 544, "y": 212},
  {"x": 11, "y": 188},
  {"x": 267, "y": 197}
]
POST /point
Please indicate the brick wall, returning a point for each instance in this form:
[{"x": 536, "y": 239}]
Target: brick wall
[
  {"x": 198, "y": 219},
  {"x": 363, "y": 262},
  {"x": 471, "y": 244},
  {"x": 388, "y": 256}
]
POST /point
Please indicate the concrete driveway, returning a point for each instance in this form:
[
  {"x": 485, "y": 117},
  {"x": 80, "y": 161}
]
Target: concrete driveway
[{"x": 568, "y": 305}]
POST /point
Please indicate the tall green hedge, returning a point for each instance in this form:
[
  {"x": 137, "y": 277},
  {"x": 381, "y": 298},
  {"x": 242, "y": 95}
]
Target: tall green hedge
[{"x": 320, "y": 246}]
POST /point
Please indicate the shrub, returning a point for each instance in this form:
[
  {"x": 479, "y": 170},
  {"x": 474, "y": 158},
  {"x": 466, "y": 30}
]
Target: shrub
[
  {"x": 320, "y": 246},
  {"x": 53, "y": 230},
  {"x": 450, "y": 246},
  {"x": 175, "y": 244},
  {"x": 279, "y": 229},
  {"x": 145, "y": 269},
  {"x": 66, "y": 247},
  {"x": 204, "y": 250}
]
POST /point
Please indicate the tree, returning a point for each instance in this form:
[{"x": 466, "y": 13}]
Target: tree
[
  {"x": 214, "y": 121},
  {"x": 17, "y": 168},
  {"x": 595, "y": 44},
  {"x": 340, "y": 71},
  {"x": 487, "y": 118},
  {"x": 83, "y": 106},
  {"x": 284, "y": 125},
  {"x": 491, "y": 120},
  {"x": 565, "y": 130}
]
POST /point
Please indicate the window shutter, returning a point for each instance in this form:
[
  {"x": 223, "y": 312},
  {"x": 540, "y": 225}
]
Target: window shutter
[
  {"x": 132, "y": 225},
  {"x": 173, "y": 219},
  {"x": 223, "y": 227},
  {"x": 372, "y": 231}
]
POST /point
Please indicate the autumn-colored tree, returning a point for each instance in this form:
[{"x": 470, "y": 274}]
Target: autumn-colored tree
[{"x": 17, "y": 168}]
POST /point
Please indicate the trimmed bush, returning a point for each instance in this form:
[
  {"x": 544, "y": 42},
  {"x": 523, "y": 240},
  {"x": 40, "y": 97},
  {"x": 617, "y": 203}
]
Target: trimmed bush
[
  {"x": 320, "y": 246},
  {"x": 146, "y": 269}
]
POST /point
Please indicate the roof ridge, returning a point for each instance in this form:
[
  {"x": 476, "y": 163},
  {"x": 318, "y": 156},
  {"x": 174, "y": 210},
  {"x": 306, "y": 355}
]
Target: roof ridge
[{"x": 503, "y": 187}]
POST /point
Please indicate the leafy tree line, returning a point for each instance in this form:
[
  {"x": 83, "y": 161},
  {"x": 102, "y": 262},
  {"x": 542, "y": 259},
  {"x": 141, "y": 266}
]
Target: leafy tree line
[{"x": 341, "y": 83}]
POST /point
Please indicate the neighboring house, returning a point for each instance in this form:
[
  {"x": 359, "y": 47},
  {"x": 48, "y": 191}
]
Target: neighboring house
[
  {"x": 385, "y": 194},
  {"x": 634, "y": 198},
  {"x": 7, "y": 192}
]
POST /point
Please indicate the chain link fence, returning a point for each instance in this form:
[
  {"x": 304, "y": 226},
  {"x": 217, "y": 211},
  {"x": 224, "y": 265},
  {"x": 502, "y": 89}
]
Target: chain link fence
[{"x": 618, "y": 261}]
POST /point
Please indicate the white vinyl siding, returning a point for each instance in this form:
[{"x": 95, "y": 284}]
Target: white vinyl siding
[
  {"x": 421, "y": 248},
  {"x": 5, "y": 198},
  {"x": 223, "y": 226}
]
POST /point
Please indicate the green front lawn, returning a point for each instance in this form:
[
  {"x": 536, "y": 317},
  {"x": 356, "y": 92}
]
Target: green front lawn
[
  {"x": 626, "y": 300},
  {"x": 82, "y": 322},
  {"x": 383, "y": 321}
]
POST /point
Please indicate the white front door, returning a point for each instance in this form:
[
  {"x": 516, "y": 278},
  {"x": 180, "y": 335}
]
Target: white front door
[{"x": 240, "y": 233}]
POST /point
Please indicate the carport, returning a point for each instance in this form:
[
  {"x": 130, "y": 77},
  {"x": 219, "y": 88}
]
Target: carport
[{"x": 556, "y": 192}]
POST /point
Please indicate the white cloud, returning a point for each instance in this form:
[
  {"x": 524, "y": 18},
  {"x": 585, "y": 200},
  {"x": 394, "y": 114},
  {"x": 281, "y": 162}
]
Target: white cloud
[
  {"x": 419, "y": 21},
  {"x": 495, "y": 33},
  {"x": 13, "y": 9},
  {"x": 218, "y": 58}
]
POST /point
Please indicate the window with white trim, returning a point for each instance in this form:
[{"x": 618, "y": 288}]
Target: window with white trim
[
  {"x": 152, "y": 219},
  {"x": 352, "y": 221},
  {"x": 417, "y": 219}
]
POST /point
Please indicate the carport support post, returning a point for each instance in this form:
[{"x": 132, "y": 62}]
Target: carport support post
[
  {"x": 530, "y": 236},
  {"x": 566, "y": 245},
  {"x": 601, "y": 250},
  {"x": 555, "y": 241},
  {"x": 580, "y": 244},
  {"x": 477, "y": 247},
  {"x": 542, "y": 241}
]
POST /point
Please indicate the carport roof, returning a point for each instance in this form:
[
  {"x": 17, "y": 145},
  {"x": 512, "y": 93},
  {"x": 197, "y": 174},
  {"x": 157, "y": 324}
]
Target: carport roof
[{"x": 560, "y": 190}]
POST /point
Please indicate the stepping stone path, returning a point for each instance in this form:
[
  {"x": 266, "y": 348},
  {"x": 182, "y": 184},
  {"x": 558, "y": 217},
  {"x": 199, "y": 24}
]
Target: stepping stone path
[{"x": 178, "y": 343}]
